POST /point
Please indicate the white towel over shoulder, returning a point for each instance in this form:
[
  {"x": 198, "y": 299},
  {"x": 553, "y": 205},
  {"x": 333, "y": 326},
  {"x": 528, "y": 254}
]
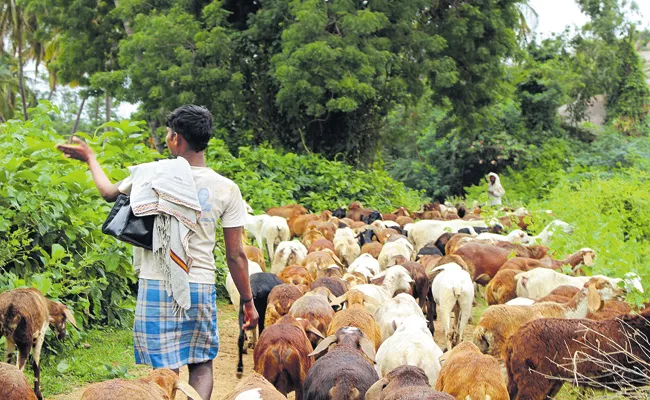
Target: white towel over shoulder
[{"x": 166, "y": 189}]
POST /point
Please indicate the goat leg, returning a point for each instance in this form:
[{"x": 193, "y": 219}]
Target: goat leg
[
  {"x": 431, "y": 312},
  {"x": 10, "y": 349},
  {"x": 36, "y": 361},
  {"x": 240, "y": 342},
  {"x": 37, "y": 378}
]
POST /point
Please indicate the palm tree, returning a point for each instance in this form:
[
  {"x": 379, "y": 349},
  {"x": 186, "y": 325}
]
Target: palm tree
[{"x": 17, "y": 26}]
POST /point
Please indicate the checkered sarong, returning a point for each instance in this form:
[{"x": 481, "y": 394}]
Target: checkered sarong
[{"x": 164, "y": 340}]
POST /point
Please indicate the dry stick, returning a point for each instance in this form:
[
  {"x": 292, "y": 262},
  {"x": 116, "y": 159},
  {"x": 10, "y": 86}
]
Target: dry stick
[
  {"x": 81, "y": 107},
  {"x": 628, "y": 379}
]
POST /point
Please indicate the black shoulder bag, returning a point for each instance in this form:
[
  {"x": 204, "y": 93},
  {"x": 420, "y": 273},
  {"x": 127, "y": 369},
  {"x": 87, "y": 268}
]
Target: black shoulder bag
[{"x": 125, "y": 226}]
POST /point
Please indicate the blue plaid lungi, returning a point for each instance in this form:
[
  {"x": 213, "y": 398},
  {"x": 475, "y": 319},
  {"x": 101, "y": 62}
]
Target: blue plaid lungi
[{"x": 164, "y": 340}]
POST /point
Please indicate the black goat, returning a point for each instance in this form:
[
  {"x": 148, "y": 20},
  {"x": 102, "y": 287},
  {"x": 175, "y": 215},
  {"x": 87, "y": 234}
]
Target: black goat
[{"x": 261, "y": 285}]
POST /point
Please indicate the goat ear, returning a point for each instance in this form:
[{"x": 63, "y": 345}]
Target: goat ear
[
  {"x": 588, "y": 259},
  {"x": 594, "y": 302},
  {"x": 431, "y": 275},
  {"x": 315, "y": 331},
  {"x": 323, "y": 345},
  {"x": 482, "y": 279},
  {"x": 338, "y": 301},
  {"x": 185, "y": 387},
  {"x": 368, "y": 348},
  {"x": 70, "y": 317}
]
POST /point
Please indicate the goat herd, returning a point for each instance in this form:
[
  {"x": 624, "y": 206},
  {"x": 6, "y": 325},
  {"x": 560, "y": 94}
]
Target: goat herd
[{"x": 347, "y": 312}]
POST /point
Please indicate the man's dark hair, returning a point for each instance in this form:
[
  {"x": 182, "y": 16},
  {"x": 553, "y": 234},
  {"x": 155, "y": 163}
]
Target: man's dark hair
[{"x": 192, "y": 122}]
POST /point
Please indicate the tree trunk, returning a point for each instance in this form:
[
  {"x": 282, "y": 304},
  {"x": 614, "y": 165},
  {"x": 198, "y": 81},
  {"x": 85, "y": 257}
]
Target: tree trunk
[
  {"x": 21, "y": 84},
  {"x": 153, "y": 124},
  {"x": 127, "y": 25},
  {"x": 51, "y": 94},
  {"x": 76, "y": 121},
  {"x": 108, "y": 107}
]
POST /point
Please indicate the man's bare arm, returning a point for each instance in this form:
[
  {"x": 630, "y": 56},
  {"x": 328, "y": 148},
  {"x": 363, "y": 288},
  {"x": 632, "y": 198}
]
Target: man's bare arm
[{"x": 238, "y": 266}]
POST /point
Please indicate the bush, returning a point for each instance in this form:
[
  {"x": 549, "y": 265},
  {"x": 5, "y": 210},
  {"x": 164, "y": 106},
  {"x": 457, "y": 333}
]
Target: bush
[
  {"x": 51, "y": 216},
  {"x": 268, "y": 178}
]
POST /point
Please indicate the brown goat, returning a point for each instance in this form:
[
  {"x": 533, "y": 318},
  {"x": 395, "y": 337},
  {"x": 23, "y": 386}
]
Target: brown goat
[
  {"x": 385, "y": 234},
  {"x": 328, "y": 229},
  {"x": 13, "y": 384},
  {"x": 287, "y": 211},
  {"x": 534, "y": 251},
  {"x": 282, "y": 354},
  {"x": 337, "y": 286},
  {"x": 388, "y": 217},
  {"x": 160, "y": 384},
  {"x": 298, "y": 224},
  {"x": 457, "y": 241},
  {"x": 319, "y": 261},
  {"x": 503, "y": 287},
  {"x": 356, "y": 315},
  {"x": 298, "y": 276},
  {"x": 315, "y": 308},
  {"x": 320, "y": 245},
  {"x": 279, "y": 302},
  {"x": 429, "y": 262},
  {"x": 355, "y": 278},
  {"x": 256, "y": 255},
  {"x": 486, "y": 259},
  {"x": 404, "y": 220},
  {"x": 373, "y": 249},
  {"x": 467, "y": 373},
  {"x": 24, "y": 316},
  {"x": 547, "y": 348},
  {"x": 406, "y": 382},
  {"x": 310, "y": 236},
  {"x": 255, "y": 385}
]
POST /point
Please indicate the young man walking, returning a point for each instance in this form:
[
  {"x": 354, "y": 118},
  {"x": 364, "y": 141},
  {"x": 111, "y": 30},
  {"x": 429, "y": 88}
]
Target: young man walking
[{"x": 172, "y": 329}]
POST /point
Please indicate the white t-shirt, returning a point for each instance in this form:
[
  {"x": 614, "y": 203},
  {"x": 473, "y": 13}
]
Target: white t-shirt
[{"x": 219, "y": 197}]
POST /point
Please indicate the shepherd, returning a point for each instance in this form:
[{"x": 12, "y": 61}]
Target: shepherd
[{"x": 495, "y": 190}]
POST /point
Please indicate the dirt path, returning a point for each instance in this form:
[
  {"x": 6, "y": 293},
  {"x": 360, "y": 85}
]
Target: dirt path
[{"x": 226, "y": 362}]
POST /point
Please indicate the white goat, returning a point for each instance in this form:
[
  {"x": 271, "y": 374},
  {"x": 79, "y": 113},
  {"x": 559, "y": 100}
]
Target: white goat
[
  {"x": 233, "y": 293},
  {"x": 390, "y": 250},
  {"x": 275, "y": 230},
  {"x": 411, "y": 344},
  {"x": 396, "y": 279},
  {"x": 539, "y": 282},
  {"x": 288, "y": 253},
  {"x": 346, "y": 245},
  {"x": 453, "y": 291},
  {"x": 392, "y": 313},
  {"x": 365, "y": 264},
  {"x": 425, "y": 231},
  {"x": 253, "y": 225},
  {"x": 545, "y": 236},
  {"x": 516, "y": 236}
]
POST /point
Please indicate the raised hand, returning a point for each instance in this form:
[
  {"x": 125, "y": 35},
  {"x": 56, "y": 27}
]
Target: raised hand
[{"x": 78, "y": 150}]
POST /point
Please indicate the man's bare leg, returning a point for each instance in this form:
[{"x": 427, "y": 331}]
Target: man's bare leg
[{"x": 201, "y": 379}]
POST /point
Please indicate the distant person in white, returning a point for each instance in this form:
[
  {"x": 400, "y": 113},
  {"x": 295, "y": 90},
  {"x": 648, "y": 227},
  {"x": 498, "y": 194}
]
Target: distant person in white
[{"x": 495, "y": 190}]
